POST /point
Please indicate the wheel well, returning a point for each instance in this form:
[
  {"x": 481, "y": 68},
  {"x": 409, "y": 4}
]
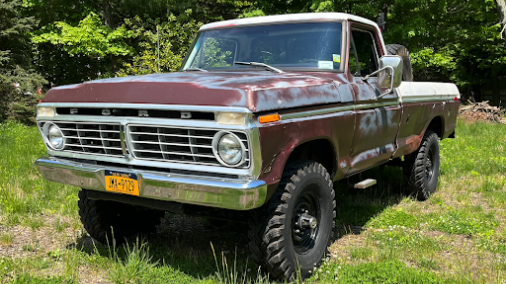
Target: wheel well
[
  {"x": 436, "y": 125},
  {"x": 320, "y": 151}
]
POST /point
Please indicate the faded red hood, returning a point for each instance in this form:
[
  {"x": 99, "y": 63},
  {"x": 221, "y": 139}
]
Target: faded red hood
[{"x": 258, "y": 91}]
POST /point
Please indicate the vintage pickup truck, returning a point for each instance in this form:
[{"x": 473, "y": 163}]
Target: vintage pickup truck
[{"x": 264, "y": 115}]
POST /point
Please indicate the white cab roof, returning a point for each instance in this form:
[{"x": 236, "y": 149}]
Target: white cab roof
[{"x": 288, "y": 18}]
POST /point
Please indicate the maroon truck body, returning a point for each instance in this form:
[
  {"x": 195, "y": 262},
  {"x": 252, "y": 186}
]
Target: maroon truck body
[
  {"x": 347, "y": 134},
  {"x": 335, "y": 118}
]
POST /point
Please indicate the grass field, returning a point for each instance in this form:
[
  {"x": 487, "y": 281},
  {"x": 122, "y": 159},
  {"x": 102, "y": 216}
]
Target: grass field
[{"x": 457, "y": 236}]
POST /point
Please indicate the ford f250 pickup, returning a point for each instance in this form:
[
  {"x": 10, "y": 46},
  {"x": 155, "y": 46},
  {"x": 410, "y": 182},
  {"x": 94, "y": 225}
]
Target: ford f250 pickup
[{"x": 264, "y": 115}]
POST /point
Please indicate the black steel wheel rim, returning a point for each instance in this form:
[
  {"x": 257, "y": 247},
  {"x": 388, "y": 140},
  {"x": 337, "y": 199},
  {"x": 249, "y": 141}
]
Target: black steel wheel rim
[
  {"x": 429, "y": 164},
  {"x": 304, "y": 238}
]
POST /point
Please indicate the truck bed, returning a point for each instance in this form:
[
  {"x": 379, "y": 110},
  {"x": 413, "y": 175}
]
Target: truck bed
[{"x": 427, "y": 91}]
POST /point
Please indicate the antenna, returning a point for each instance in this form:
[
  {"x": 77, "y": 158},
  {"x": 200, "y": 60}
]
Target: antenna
[{"x": 158, "y": 47}]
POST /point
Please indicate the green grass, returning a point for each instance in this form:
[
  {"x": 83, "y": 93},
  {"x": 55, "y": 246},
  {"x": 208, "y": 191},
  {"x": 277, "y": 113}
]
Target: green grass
[
  {"x": 6, "y": 238},
  {"x": 457, "y": 236},
  {"x": 23, "y": 194},
  {"x": 393, "y": 271}
]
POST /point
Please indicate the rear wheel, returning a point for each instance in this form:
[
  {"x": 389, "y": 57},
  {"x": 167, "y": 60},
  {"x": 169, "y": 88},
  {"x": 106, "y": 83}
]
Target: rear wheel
[
  {"x": 402, "y": 51},
  {"x": 98, "y": 216},
  {"x": 292, "y": 233},
  {"x": 421, "y": 170}
]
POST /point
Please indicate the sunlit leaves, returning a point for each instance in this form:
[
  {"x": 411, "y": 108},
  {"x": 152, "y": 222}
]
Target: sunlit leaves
[
  {"x": 174, "y": 38},
  {"x": 89, "y": 38}
]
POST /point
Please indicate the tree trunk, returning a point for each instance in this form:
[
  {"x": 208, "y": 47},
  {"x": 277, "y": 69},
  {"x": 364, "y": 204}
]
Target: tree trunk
[
  {"x": 496, "y": 88},
  {"x": 108, "y": 16},
  {"x": 501, "y": 11},
  {"x": 109, "y": 23}
]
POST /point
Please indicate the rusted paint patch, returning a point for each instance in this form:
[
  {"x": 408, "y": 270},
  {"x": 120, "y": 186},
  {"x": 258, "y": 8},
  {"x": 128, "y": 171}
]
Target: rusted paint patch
[{"x": 410, "y": 143}]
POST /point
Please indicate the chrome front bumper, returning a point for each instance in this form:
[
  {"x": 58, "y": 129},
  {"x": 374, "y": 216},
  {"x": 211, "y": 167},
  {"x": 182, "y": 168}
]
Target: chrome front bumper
[{"x": 233, "y": 194}]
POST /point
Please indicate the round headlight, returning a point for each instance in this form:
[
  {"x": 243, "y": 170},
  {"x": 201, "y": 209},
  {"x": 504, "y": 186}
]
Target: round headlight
[
  {"x": 229, "y": 149},
  {"x": 55, "y": 137}
]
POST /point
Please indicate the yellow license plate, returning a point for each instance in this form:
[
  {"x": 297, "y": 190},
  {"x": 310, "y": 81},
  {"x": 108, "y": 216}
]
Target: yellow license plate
[{"x": 119, "y": 182}]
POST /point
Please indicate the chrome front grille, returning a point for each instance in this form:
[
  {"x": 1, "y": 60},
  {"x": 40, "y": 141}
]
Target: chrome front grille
[
  {"x": 91, "y": 138},
  {"x": 176, "y": 144},
  {"x": 145, "y": 142}
]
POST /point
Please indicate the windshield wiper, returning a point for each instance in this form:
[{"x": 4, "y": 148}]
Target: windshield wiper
[
  {"x": 258, "y": 64},
  {"x": 195, "y": 69}
]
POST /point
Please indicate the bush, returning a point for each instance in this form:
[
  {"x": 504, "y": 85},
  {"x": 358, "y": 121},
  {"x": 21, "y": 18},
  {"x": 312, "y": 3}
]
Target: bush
[
  {"x": 7, "y": 92},
  {"x": 15, "y": 105}
]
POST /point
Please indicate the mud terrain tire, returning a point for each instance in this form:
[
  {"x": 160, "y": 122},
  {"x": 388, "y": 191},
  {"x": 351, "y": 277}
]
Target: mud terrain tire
[
  {"x": 421, "y": 170},
  {"x": 98, "y": 216},
  {"x": 277, "y": 241},
  {"x": 402, "y": 51}
]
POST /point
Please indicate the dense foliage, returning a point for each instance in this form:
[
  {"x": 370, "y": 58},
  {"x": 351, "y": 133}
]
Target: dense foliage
[
  {"x": 18, "y": 80},
  {"x": 57, "y": 42}
]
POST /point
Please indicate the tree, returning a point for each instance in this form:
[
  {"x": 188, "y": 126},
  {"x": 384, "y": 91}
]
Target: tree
[
  {"x": 16, "y": 74},
  {"x": 501, "y": 11},
  {"x": 164, "y": 48},
  {"x": 90, "y": 39},
  {"x": 67, "y": 51}
]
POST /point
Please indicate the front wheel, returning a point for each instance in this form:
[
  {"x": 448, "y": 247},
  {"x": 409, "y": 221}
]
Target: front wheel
[
  {"x": 105, "y": 220},
  {"x": 291, "y": 234},
  {"x": 421, "y": 170}
]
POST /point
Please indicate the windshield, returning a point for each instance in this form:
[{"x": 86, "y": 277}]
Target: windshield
[{"x": 303, "y": 46}]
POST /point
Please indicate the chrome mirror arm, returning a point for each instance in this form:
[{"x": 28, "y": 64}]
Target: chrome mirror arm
[{"x": 389, "y": 90}]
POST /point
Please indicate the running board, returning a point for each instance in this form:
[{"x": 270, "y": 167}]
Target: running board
[{"x": 365, "y": 183}]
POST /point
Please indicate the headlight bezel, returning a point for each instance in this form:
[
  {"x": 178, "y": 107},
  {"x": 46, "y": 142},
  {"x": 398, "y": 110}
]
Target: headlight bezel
[
  {"x": 46, "y": 129},
  {"x": 215, "y": 144}
]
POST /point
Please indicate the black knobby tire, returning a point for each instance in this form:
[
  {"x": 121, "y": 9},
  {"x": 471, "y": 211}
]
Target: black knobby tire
[
  {"x": 98, "y": 216},
  {"x": 217, "y": 223},
  {"x": 402, "y": 51},
  {"x": 274, "y": 243},
  {"x": 421, "y": 169}
]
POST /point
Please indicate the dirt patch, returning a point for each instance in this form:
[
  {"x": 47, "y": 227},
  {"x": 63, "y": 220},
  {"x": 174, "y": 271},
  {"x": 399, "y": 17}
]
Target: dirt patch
[
  {"x": 433, "y": 234},
  {"x": 48, "y": 242},
  {"x": 29, "y": 242},
  {"x": 461, "y": 256},
  {"x": 88, "y": 275},
  {"x": 340, "y": 248},
  {"x": 482, "y": 111}
]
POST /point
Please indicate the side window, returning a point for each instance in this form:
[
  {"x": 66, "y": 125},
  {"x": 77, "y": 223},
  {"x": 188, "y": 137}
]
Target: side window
[{"x": 363, "y": 53}]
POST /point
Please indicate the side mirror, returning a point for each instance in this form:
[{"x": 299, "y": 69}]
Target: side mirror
[
  {"x": 390, "y": 73},
  {"x": 386, "y": 76}
]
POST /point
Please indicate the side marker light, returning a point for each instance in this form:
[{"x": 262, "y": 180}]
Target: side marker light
[{"x": 269, "y": 118}]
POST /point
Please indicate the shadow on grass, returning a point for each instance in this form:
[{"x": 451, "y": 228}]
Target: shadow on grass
[
  {"x": 355, "y": 207},
  {"x": 182, "y": 243}
]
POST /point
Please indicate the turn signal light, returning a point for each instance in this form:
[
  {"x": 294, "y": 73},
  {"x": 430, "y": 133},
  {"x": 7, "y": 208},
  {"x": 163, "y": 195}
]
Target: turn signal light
[{"x": 269, "y": 118}]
